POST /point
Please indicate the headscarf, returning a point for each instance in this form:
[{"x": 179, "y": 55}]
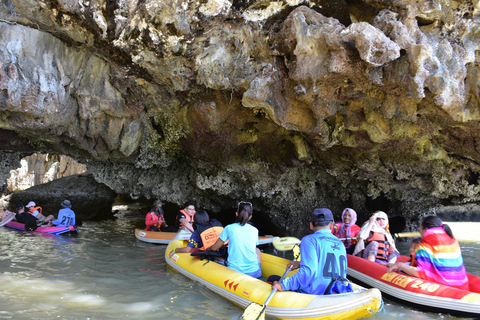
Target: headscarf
[
  {"x": 344, "y": 230},
  {"x": 375, "y": 228}
]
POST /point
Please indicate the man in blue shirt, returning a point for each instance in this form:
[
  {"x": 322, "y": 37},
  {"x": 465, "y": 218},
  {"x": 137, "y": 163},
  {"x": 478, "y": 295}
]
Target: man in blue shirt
[
  {"x": 66, "y": 217},
  {"x": 323, "y": 258}
]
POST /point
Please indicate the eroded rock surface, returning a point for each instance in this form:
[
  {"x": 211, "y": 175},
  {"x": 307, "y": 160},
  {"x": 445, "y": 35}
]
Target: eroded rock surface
[
  {"x": 90, "y": 200},
  {"x": 291, "y": 104}
]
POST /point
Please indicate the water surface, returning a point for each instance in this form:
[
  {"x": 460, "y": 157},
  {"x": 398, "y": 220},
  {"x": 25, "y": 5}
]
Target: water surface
[{"x": 106, "y": 273}]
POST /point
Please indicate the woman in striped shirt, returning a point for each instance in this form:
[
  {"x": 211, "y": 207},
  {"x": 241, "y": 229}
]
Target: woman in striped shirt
[{"x": 438, "y": 257}]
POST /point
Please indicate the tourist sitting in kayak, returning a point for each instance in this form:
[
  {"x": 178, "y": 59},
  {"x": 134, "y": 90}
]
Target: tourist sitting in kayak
[
  {"x": 184, "y": 222},
  {"x": 413, "y": 248},
  {"x": 243, "y": 254},
  {"x": 24, "y": 217},
  {"x": 438, "y": 257},
  {"x": 66, "y": 216},
  {"x": 323, "y": 258},
  {"x": 347, "y": 230},
  {"x": 205, "y": 235},
  {"x": 375, "y": 241},
  {"x": 37, "y": 212},
  {"x": 155, "y": 218}
]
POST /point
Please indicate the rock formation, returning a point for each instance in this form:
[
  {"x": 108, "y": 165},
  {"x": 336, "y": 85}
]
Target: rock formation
[
  {"x": 90, "y": 200},
  {"x": 291, "y": 104}
]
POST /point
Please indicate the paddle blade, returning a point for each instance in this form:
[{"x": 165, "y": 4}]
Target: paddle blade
[
  {"x": 285, "y": 243},
  {"x": 7, "y": 217},
  {"x": 296, "y": 252},
  {"x": 253, "y": 312}
]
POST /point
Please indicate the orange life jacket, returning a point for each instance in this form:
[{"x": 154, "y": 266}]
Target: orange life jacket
[
  {"x": 189, "y": 219},
  {"x": 210, "y": 236},
  {"x": 32, "y": 210},
  {"x": 209, "y": 233},
  {"x": 383, "y": 245}
]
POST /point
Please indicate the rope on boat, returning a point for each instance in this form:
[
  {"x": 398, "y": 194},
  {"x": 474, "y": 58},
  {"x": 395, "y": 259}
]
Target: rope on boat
[{"x": 382, "y": 308}]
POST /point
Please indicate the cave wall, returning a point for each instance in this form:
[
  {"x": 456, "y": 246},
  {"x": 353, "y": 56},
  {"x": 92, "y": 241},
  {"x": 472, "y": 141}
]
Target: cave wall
[{"x": 291, "y": 104}]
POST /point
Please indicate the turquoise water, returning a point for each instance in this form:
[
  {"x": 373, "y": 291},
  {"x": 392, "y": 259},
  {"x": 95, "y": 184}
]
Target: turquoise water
[{"x": 105, "y": 273}]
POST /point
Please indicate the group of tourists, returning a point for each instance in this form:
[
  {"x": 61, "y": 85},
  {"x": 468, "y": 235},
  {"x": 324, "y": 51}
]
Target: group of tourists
[
  {"x": 31, "y": 215},
  {"x": 435, "y": 256},
  {"x": 324, "y": 252},
  {"x": 209, "y": 235}
]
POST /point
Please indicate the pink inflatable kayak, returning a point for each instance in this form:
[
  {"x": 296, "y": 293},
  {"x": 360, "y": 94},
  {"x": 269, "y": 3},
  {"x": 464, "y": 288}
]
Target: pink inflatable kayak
[{"x": 50, "y": 230}]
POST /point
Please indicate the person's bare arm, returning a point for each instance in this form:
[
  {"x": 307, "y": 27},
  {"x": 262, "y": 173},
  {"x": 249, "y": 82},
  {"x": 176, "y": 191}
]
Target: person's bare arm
[
  {"x": 217, "y": 245},
  {"x": 366, "y": 232},
  {"x": 180, "y": 250},
  {"x": 186, "y": 224},
  {"x": 405, "y": 268}
]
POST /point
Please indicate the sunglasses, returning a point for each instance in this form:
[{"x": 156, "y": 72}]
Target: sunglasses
[
  {"x": 378, "y": 219},
  {"x": 243, "y": 204}
]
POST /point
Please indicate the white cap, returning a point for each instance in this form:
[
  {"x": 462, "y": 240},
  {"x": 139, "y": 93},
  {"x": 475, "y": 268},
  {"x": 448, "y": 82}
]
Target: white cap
[{"x": 30, "y": 204}]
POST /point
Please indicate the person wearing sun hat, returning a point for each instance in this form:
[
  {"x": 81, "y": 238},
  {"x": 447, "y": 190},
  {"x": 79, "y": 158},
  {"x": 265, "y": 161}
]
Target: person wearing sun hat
[
  {"x": 66, "y": 216},
  {"x": 155, "y": 218},
  {"x": 323, "y": 258}
]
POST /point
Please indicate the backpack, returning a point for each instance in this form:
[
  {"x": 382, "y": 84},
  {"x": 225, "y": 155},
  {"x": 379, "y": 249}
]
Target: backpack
[{"x": 339, "y": 285}]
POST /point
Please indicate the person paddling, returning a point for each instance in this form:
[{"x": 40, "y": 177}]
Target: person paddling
[{"x": 323, "y": 258}]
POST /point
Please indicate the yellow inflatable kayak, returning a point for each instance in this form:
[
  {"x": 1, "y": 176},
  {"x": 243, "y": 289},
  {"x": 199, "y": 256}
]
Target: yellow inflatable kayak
[{"x": 242, "y": 290}]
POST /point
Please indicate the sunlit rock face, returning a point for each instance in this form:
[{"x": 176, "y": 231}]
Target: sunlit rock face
[
  {"x": 290, "y": 104},
  {"x": 42, "y": 168}
]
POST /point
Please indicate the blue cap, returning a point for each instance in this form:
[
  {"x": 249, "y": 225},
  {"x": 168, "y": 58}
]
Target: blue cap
[{"x": 322, "y": 215}]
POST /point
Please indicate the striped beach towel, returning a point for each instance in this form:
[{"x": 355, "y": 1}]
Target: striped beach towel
[{"x": 439, "y": 259}]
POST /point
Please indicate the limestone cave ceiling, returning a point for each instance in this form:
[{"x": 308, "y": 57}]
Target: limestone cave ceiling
[{"x": 291, "y": 104}]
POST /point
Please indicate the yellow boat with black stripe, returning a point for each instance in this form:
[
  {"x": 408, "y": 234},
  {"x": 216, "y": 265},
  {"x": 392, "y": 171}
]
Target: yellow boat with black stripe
[{"x": 242, "y": 290}]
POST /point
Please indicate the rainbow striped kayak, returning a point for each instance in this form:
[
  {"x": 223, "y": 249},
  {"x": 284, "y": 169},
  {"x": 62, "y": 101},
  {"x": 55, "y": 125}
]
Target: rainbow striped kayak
[
  {"x": 242, "y": 290},
  {"x": 419, "y": 293},
  {"x": 50, "y": 230}
]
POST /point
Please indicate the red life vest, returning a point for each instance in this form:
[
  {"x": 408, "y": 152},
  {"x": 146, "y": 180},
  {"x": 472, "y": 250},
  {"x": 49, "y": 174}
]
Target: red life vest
[
  {"x": 209, "y": 233},
  {"x": 383, "y": 245},
  {"x": 354, "y": 231},
  {"x": 32, "y": 210}
]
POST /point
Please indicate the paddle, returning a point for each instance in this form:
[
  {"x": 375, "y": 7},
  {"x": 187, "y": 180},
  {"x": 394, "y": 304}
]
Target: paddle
[
  {"x": 397, "y": 235},
  {"x": 7, "y": 217},
  {"x": 256, "y": 311},
  {"x": 285, "y": 243},
  {"x": 407, "y": 234}
]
